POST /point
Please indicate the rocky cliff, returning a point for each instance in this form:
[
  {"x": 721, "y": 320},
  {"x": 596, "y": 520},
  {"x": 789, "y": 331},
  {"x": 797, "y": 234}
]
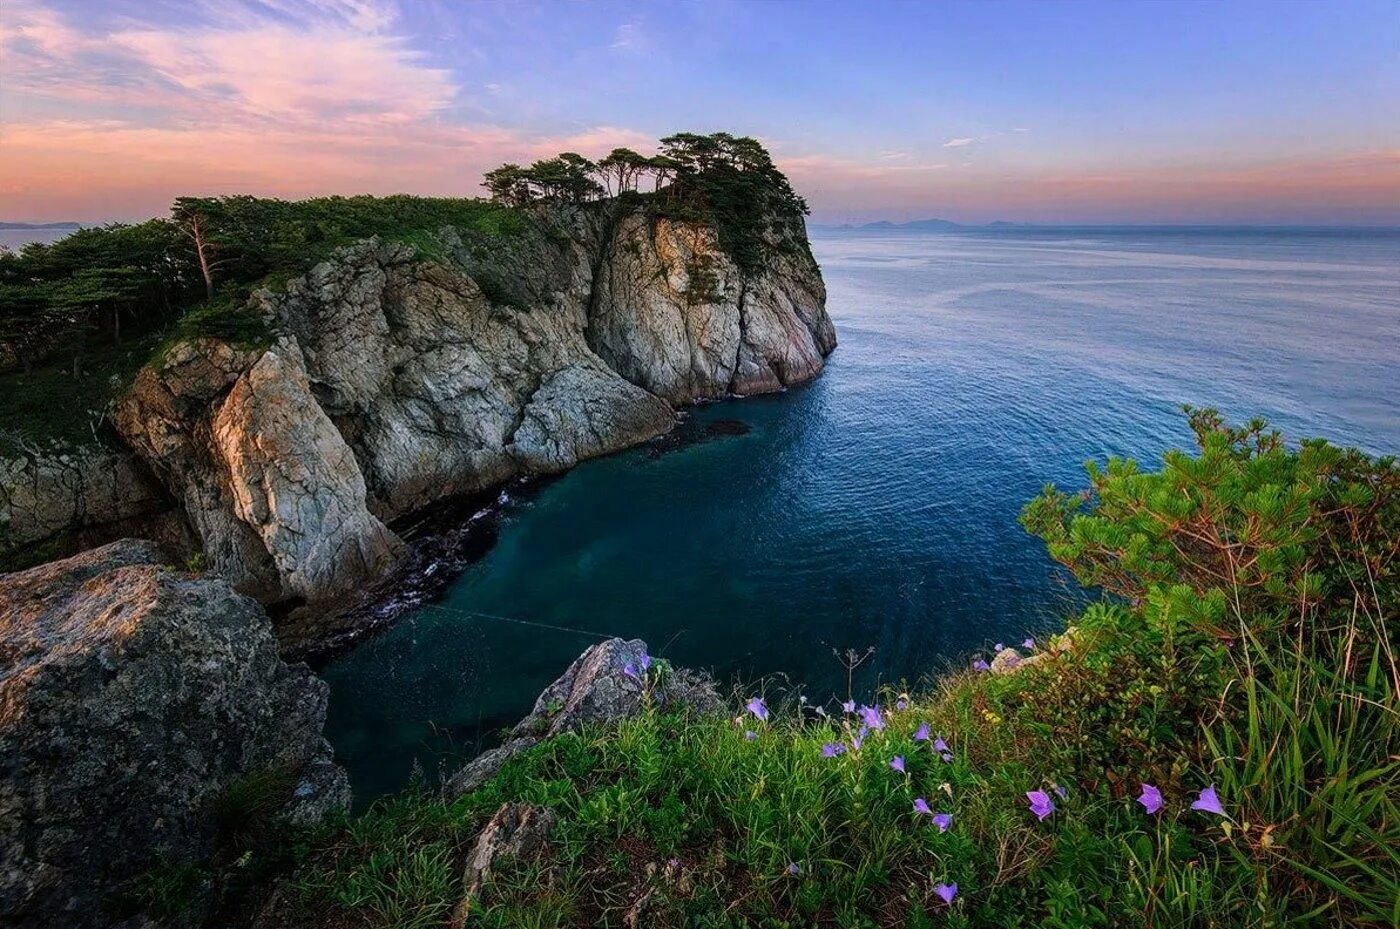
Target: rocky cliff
[
  {"x": 56, "y": 501},
  {"x": 399, "y": 376},
  {"x": 136, "y": 704}
]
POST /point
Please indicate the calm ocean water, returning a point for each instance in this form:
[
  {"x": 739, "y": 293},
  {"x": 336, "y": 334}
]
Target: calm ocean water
[
  {"x": 877, "y": 506},
  {"x": 16, "y": 239}
]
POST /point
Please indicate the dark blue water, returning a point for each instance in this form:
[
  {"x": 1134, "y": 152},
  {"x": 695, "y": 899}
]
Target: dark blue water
[{"x": 877, "y": 506}]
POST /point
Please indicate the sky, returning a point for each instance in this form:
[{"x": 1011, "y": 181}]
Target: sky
[{"x": 1054, "y": 112}]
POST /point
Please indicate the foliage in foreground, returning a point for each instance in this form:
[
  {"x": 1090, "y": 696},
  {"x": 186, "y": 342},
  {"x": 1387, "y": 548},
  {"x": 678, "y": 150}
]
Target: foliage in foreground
[{"x": 1243, "y": 653}]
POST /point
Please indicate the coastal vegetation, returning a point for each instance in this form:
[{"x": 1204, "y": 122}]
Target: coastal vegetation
[
  {"x": 78, "y": 316},
  {"x": 1212, "y": 743}
]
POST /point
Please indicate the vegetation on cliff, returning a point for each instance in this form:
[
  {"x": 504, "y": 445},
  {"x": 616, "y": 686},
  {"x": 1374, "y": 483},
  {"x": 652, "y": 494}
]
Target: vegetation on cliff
[
  {"x": 726, "y": 181},
  {"x": 80, "y": 315},
  {"x": 1213, "y": 744}
]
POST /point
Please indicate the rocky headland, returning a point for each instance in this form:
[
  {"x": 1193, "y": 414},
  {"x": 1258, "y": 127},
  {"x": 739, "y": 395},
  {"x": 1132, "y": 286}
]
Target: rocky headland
[{"x": 394, "y": 377}]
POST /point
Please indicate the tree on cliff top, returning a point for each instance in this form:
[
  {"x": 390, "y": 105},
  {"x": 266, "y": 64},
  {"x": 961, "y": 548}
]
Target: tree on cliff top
[{"x": 726, "y": 180}]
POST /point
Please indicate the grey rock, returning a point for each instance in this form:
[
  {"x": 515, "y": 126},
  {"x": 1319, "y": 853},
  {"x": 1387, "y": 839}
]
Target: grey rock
[
  {"x": 673, "y": 313},
  {"x": 132, "y": 697},
  {"x": 486, "y": 766},
  {"x": 594, "y": 690},
  {"x": 72, "y": 498},
  {"x": 516, "y": 830},
  {"x": 295, "y": 482}
]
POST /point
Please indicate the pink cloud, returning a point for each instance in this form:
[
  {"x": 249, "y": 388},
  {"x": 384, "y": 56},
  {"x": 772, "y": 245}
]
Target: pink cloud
[{"x": 323, "y": 100}]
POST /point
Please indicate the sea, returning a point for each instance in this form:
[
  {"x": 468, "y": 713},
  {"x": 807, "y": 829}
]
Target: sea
[{"x": 870, "y": 518}]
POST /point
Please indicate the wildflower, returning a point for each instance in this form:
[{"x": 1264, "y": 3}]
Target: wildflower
[
  {"x": 943, "y": 821},
  {"x": 793, "y": 869},
  {"x": 947, "y": 757},
  {"x": 901, "y": 704},
  {"x": 921, "y": 806},
  {"x": 757, "y": 707},
  {"x": 1151, "y": 798},
  {"x": 1029, "y": 643},
  {"x": 999, "y": 646},
  {"x": 872, "y": 718},
  {"x": 750, "y": 735},
  {"x": 981, "y": 665},
  {"x": 849, "y": 706},
  {"x": 832, "y": 749},
  {"x": 1041, "y": 804},
  {"x": 1059, "y": 791},
  {"x": 941, "y": 746},
  {"x": 898, "y": 763},
  {"x": 921, "y": 734},
  {"x": 1208, "y": 802},
  {"x": 821, "y": 711},
  {"x": 946, "y": 892},
  {"x": 630, "y": 670},
  {"x": 645, "y": 662},
  {"x": 859, "y": 738},
  {"x": 802, "y": 699}
]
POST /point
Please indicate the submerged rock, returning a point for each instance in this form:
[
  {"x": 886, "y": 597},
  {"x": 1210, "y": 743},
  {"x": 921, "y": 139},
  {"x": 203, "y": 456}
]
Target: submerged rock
[{"x": 133, "y": 700}]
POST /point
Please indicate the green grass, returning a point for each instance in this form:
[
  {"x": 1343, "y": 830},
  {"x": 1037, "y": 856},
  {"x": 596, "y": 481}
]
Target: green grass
[
  {"x": 1272, "y": 677},
  {"x": 51, "y": 405}
]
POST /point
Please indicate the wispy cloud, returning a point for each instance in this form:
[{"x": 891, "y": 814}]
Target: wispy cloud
[
  {"x": 631, "y": 37},
  {"x": 959, "y": 143},
  {"x": 285, "y": 97}
]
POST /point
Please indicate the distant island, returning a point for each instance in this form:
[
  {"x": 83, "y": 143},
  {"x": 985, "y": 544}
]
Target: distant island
[{"x": 69, "y": 225}]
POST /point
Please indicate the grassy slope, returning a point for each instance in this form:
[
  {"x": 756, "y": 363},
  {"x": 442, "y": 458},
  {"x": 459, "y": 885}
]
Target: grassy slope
[
  {"x": 1179, "y": 686},
  {"x": 50, "y": 405}
]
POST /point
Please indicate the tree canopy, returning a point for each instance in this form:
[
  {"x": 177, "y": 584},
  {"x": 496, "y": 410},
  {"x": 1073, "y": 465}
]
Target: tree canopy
[{"x": 726, "y": 180}]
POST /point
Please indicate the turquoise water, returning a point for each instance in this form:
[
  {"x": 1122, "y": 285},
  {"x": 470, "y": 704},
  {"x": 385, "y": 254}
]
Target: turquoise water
[{"x": 877, "y": 506}]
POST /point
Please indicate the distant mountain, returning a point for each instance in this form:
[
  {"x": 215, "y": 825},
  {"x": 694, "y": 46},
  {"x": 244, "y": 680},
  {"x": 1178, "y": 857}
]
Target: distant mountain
[{"x": 5, "y": 225}]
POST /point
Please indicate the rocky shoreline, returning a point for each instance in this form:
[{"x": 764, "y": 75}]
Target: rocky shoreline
[
  {"x": 393, "y": 384},
  {"x": 150, "y": 725}
]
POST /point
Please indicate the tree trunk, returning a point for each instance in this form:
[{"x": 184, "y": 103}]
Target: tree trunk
[{"x": 197, "y": 231}]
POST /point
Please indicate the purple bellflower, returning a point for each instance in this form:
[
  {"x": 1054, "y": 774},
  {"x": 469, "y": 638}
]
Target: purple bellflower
[
  {"x": 1151, "y": 798},
  {"x": 1040, "y": 803},
  {"x": 1208, "y": 802}
]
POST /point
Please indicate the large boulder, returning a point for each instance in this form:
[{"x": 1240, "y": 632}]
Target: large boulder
[
  {"x": 134, "y": 700},
  {"x": 607, "y": 683}
]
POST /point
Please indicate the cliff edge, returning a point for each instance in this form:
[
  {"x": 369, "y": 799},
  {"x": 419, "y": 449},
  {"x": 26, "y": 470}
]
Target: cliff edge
[{"x": 399, "y": 375}]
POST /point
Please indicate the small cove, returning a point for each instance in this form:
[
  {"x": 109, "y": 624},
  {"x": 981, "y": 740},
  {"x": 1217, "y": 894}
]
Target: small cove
[{"x": 877, "y": 506}]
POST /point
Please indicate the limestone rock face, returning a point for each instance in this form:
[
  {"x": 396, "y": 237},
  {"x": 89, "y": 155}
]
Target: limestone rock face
[
  {"x": 441, "y": 390},
  {"x": 296, "y": 483},
  {"x": 76, "y": 498},
  {"x": 674, "y": 314},
  {"x": 165, "y": 417},
  {"x": 131, "y": 698}
]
